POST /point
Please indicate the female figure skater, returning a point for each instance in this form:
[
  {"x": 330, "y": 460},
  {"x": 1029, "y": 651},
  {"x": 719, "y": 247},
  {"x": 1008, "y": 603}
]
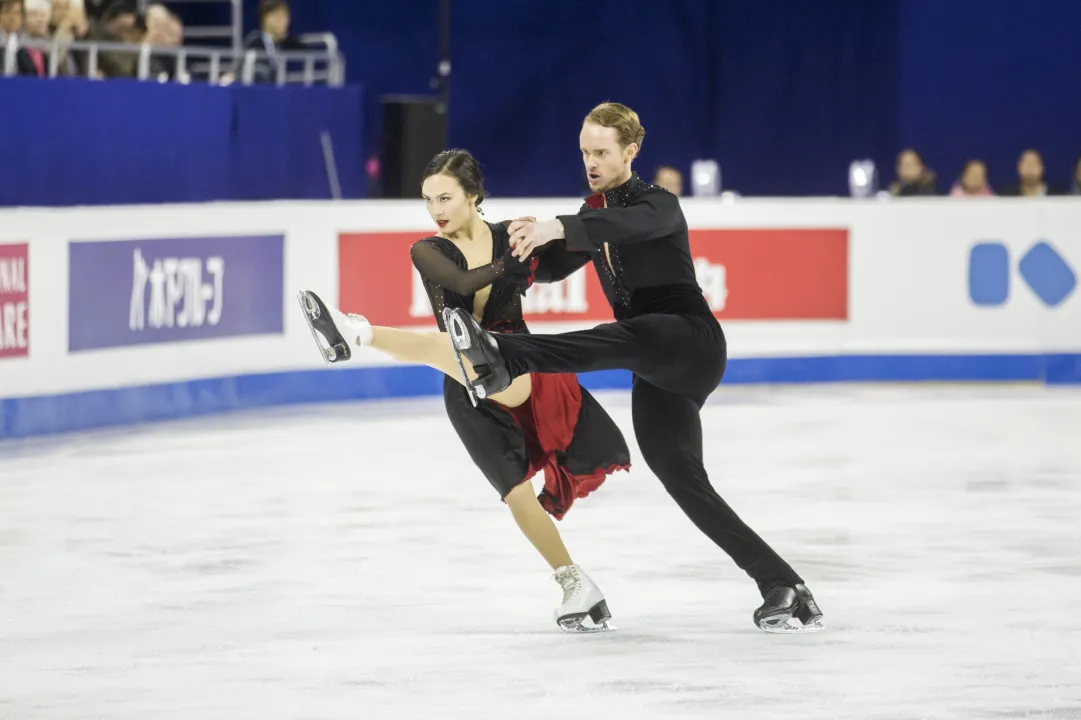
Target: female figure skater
[{"x": 539, "y": 422}]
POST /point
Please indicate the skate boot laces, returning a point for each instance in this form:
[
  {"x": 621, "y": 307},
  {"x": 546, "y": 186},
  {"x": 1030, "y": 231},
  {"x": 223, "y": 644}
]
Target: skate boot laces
[{"x": 571, "y": 581}]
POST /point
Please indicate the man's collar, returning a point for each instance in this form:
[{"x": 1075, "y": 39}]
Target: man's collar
[{"x": 617, "y": 196}]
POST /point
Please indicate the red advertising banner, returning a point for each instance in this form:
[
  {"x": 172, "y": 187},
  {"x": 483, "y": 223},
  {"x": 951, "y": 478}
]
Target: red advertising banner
[
  {"x": 750, "y": 274},
  {"x": 773, "y": 274},
  {"x": 14, "y": 301}
]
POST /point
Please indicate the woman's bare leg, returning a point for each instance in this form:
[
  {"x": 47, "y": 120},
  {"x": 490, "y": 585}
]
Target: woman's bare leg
[
  {"x": 537, "y": 526},
  {"x": 433, "y": 349}
]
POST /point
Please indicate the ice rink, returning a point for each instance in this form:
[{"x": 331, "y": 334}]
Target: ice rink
[{"x": 347, "y": 561}]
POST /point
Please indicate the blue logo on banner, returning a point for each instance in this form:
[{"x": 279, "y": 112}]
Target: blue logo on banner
[
  {"x": 989, "y": 274},
  {"x": 1046, "y": 273}
]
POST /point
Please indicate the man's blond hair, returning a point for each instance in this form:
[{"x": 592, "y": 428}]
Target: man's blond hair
[{"x": 620, "y": 118}]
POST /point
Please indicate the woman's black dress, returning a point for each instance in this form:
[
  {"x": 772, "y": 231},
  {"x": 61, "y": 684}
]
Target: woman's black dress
[{"x": 561, "y": 429}]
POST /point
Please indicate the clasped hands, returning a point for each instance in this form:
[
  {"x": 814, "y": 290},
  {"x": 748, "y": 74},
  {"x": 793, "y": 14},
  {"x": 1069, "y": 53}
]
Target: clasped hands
[{"x": 527, "y": 234}]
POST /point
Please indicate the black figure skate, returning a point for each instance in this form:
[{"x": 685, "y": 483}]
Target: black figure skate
[
  {"x": 472, "y": 342},
  {"x": 789, "y": 609}
]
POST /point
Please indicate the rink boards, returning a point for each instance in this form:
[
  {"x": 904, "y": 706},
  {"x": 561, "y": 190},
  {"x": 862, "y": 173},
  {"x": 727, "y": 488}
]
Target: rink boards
[{"x": 118, "y": 315}]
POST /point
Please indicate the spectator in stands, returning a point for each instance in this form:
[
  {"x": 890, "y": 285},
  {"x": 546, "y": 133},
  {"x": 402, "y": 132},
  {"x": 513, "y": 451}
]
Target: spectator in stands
[
  {"x": 163, "y": 29},
  {"x": 913, "y": 176},
  {"x": 11, "y": 18},
  {"x": 123, "y": 21},
  {"x": 669, "y": 178},
  {"x": 157, "y": 17},
  {"x": 1030, "y": 175},
  {"x": 58, "y": 11},
  {"x": 34, "y": 61},
  {"x": 95, "y": 9},
  {"x": 1075, "y": 186},
  {"x": 120, "y": 22},
  {"x": 69, "y": 24},
  {"x": 973, "y": 181},
  {"x": 271, "y": 38}
]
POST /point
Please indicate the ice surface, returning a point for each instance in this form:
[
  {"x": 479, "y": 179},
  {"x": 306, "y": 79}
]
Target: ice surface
[{"x": 349, "y": 562}]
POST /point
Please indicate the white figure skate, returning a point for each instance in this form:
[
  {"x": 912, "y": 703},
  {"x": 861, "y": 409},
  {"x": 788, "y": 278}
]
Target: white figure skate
[
  {"x": 336, "y": 334},
  {"x": 584, "y": 608}
]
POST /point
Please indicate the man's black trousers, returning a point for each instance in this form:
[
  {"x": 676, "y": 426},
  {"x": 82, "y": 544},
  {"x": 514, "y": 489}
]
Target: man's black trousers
[{"x": 677, "y": 362}]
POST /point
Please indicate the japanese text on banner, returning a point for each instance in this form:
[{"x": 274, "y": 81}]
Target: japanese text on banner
[{"x": 136, "y": 292}]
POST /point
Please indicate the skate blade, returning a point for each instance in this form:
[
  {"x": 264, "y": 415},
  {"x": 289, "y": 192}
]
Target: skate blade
[
  {"x": 312, "y": 310},
  {"x": 790, "y": 626},
  {"x": 459, "y": 342},
  {"x": 598, "y": 619},
  {"x": 584, "y": 626}
]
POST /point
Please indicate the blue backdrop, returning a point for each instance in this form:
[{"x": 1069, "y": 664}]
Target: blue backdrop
[
  {"x": 990, "y": 78},
  {"x": 783, "y": 93},
  {"x": 81, "y": 142}
]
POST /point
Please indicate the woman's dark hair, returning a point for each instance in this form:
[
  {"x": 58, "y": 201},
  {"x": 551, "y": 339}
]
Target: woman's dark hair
[
  {"x": 268, "y": 6},
  {"x": 119, "y": 7},
  {"x": 463, "y": 167},
  {"x": 912, "y": 151},
  {"x": 970, "y": 163}
]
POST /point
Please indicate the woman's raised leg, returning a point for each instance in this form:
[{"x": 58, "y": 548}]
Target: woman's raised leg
[{"x": 433, "y": 349}]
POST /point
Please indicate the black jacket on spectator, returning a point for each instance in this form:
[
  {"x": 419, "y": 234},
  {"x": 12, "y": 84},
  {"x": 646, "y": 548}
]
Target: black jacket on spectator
[
  {"x": 111, "y": 64},
  {"x": 265, "y": 69},
  {"x": 95, "y": 8},
  {"x": 25, "y": 63},
  {"x": 924, "y": 186},
  {"x": 1015, "y": 191}
]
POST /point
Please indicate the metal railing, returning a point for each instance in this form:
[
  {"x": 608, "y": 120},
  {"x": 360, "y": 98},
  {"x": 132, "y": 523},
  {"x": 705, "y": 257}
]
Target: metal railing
[
  {"x": 317, "y": 66},
  {"x": 231, "y": 33}
]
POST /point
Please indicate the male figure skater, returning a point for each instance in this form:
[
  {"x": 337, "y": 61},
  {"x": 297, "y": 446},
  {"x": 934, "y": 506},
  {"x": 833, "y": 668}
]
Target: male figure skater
[{"x": 665, "y": 334}]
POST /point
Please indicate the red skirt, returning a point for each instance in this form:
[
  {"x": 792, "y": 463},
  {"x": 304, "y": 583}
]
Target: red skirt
[{"x": 549, "y": 420}]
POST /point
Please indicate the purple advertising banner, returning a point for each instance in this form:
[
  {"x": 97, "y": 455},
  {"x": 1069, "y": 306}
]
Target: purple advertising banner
[{"x": 136, "y": 292}]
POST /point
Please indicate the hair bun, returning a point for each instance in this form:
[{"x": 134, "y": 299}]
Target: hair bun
[{"x": 463, "y": 167}]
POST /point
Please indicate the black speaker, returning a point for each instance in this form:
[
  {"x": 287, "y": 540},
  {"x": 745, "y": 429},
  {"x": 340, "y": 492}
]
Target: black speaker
[{"x": 414, "y": 130}]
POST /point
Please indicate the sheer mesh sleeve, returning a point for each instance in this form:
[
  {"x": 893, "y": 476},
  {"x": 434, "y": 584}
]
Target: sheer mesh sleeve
[{"x": 437, "y": 269}]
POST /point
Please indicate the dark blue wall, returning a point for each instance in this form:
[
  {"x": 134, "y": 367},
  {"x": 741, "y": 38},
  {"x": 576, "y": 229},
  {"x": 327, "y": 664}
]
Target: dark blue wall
[
  {"x": 524, "y": 83},
  {"x": 783, "y": 93},
  {"x": 84, "y": 142},
  {"x": 988, "y": 78},
  {"x": 801, "y": 89}
]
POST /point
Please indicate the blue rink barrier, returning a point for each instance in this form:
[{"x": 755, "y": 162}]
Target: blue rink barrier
[{"x": 48, "y": 415}]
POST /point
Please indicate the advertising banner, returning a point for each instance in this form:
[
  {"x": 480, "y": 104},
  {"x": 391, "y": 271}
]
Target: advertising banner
[
  {"x": 137, "y": 292},
  {"x": 14, "y": 301},
  {"x": 776, "y": 274}
]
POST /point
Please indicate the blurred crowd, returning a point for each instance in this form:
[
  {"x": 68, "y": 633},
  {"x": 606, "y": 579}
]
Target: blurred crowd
[
  {"x": 124, "y": 22},
  {"x": 114, "y": 21},
  {"x": 915, "y": 178}
]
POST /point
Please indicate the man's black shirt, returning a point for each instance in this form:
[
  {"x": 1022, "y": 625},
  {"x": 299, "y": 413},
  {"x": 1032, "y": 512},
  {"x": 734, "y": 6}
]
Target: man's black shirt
[{"x": 647, "y": 266}]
